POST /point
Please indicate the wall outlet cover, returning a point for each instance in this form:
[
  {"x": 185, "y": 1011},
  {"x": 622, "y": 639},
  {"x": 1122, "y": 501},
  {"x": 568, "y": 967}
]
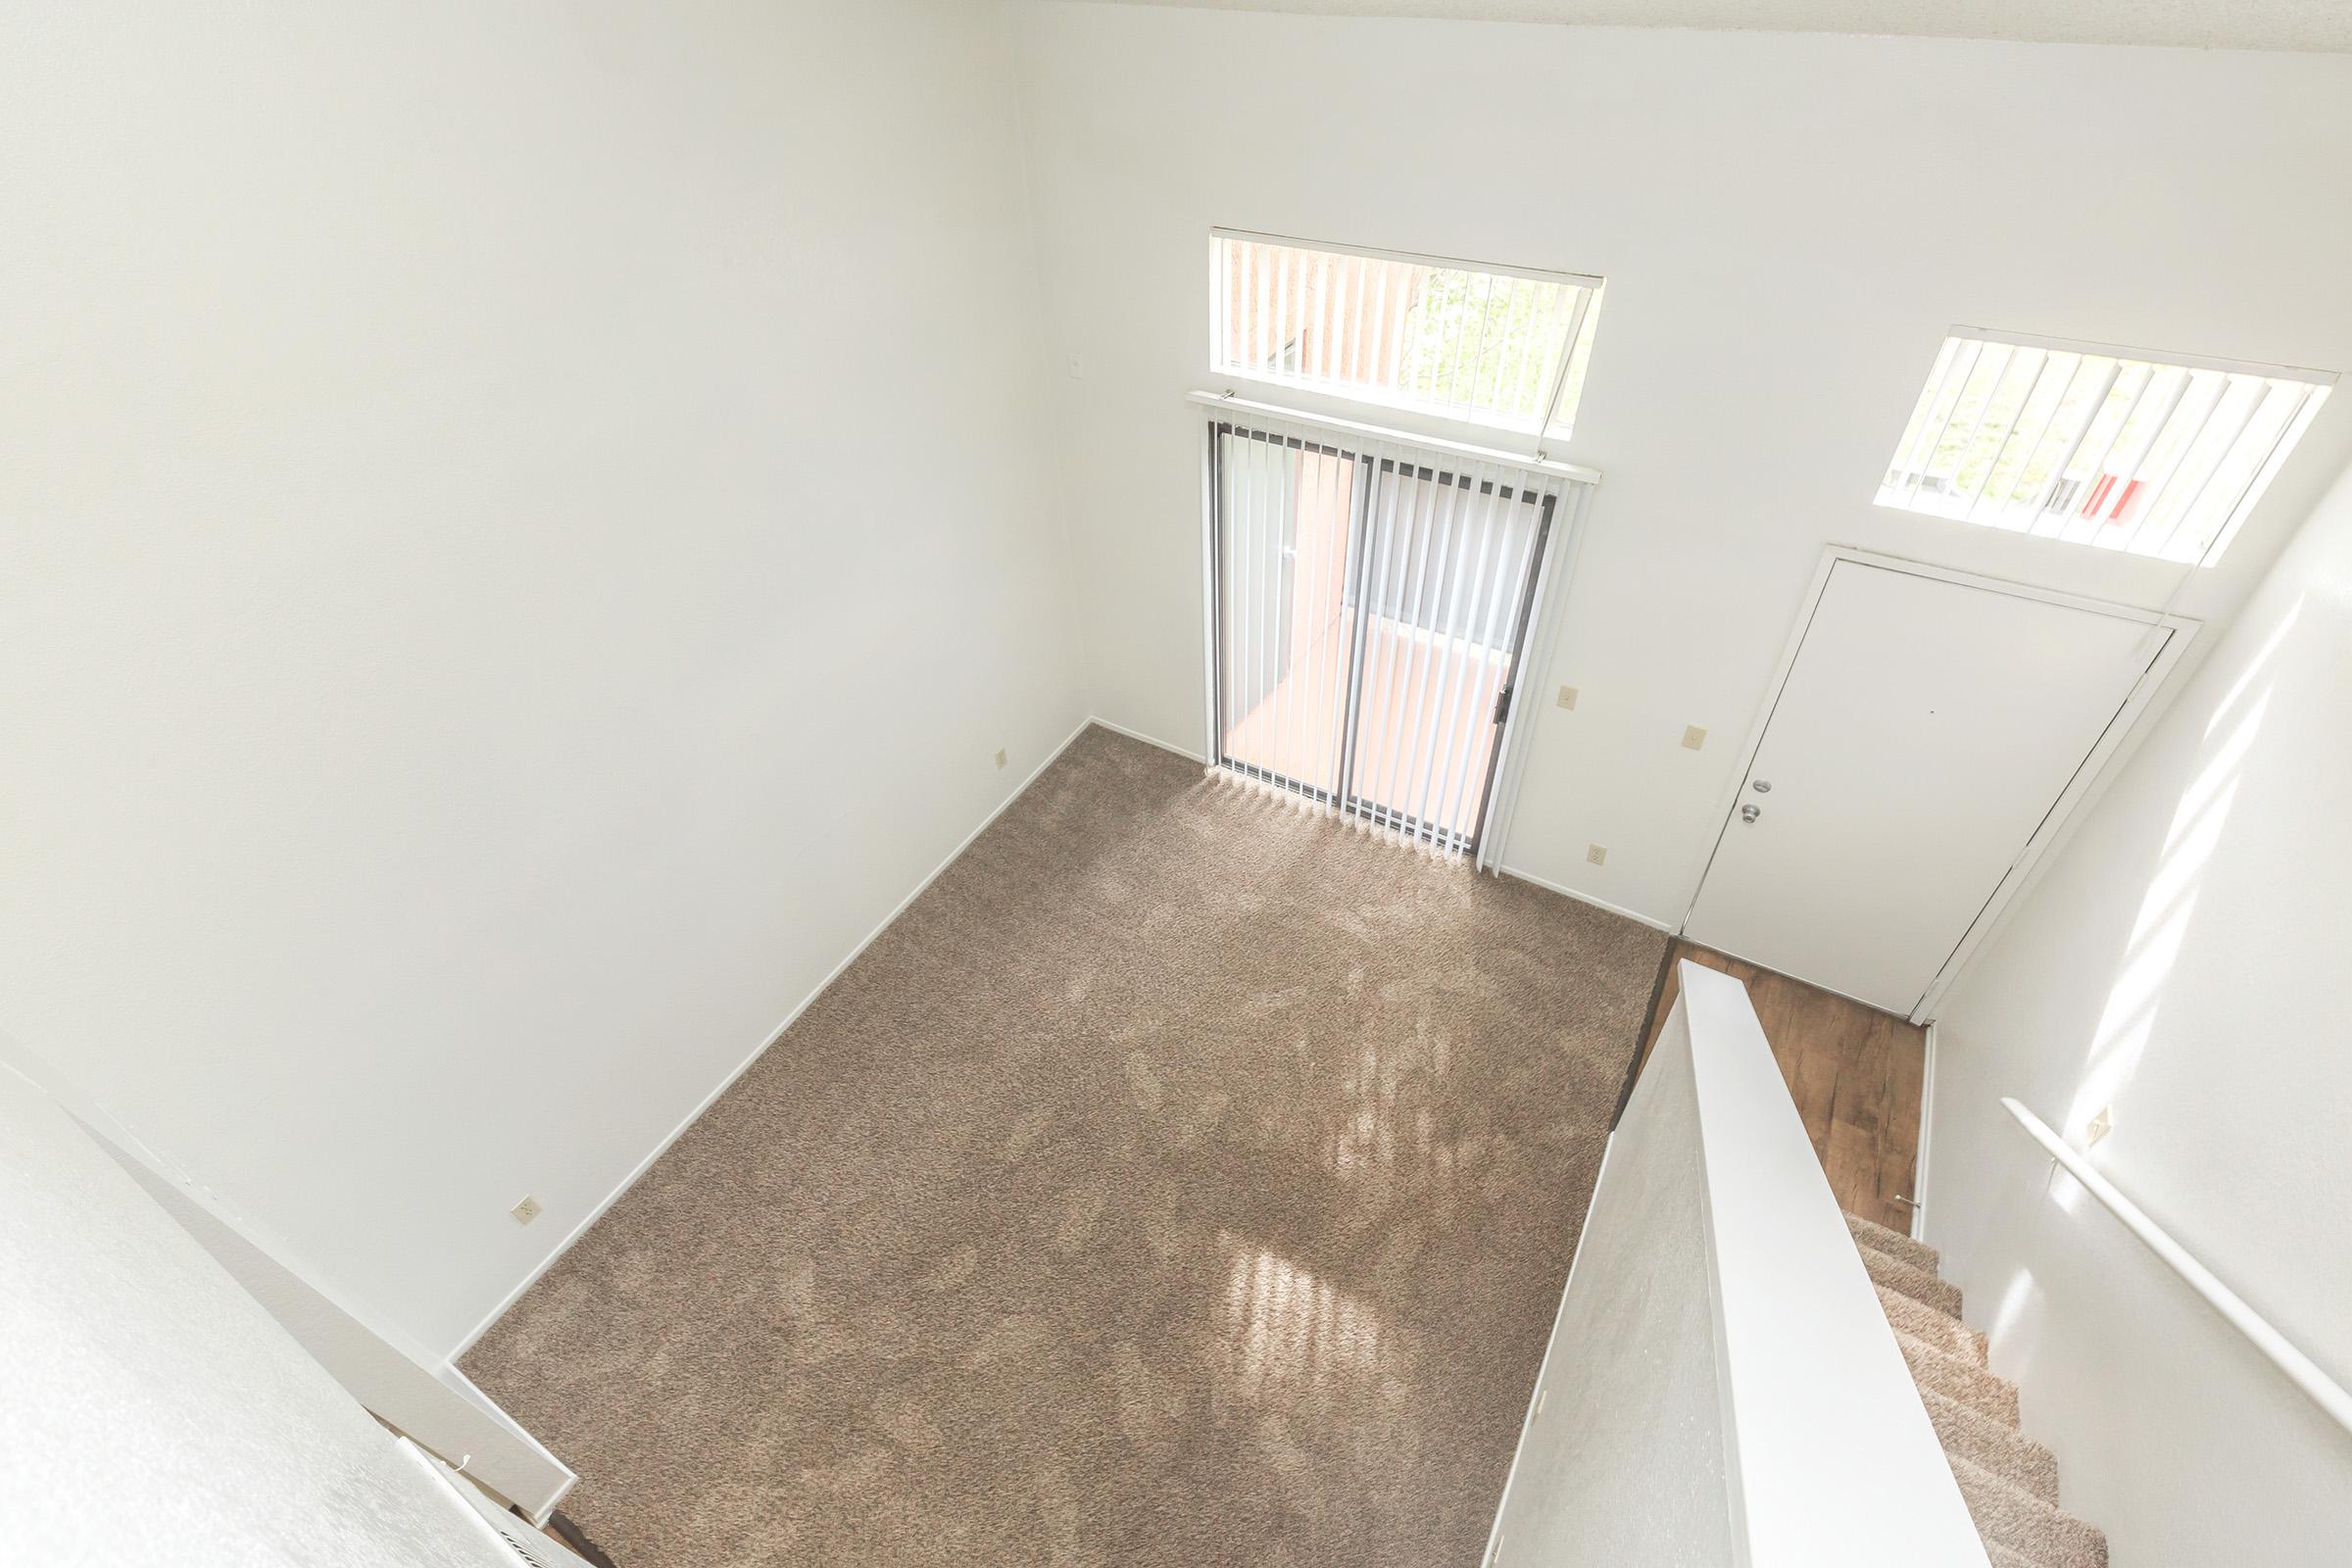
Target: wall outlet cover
[
  {"x": 1567, "y": 697},
  {"x": 1000, "y": 757},
  {"x": 1694, "y": 737},
  {"x": 2100, "y": 1126},
  {"x": 525, "y": 1211},
  {"x": 1597, "y": 853}
]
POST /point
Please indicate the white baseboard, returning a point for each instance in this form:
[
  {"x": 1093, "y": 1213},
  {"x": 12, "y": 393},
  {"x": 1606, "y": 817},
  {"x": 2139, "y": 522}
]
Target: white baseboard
[
  {"x": 1926, "y": 1126},
  {"x": 1634, "y": 915},
  {"x": 1185, "y": 752},
  {"x": 774, "y": 1035}
]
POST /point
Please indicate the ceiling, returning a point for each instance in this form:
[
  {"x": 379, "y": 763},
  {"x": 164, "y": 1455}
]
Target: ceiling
[{"x": 2324, "y": 26}]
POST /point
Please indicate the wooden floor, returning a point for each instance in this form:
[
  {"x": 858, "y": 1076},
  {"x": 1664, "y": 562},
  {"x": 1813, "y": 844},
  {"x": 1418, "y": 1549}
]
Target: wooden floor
[{"x": 1854, "y": 1072}]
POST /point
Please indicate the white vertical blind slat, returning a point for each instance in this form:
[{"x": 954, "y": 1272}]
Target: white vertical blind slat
[
  {"x": 2307, "y": 401},
  {"x": 1459, "y": 545},
  {"x": 1461, "y": 688},
  {"x": 1412, "y": 550},
  {"x": 1469, "y": 652},
  {"x": 1281, "y": 501},
  {"x": 1262, "y": 600},
  {"x": 2193, "y": 417},
  {"x": 1322, "y": 589},
  {"x": 1264, "y": 326},
  {"x": 1467, "y": 398},
  {"x": 1241, "y": 663},
  {"x": 1519, "y": 509},
  {"x": 1285, "y": 564},
  {"x": 2192, "y": 500},
  {"x": 1429, "y": 557},
  {"x": 1278, "y": 328},
  {"x": 1315, "y": 487},
  {"x": 1372, "y": 591},
  {"x": 1976, "y": 494},
  {"x": 2143, "y": 448},
  {"x": 1230, "y": 557},
  {"x": 2080, "y": 520},
  {"x": 1245, "y": 585},
  {"x": 1315, "y": 342},
  {"x": 2041, "y": 502},
  {"x": 2042, "y": 430},
  {"x": 1930, "y": 434},
  {"x": 1993, "y": 384}
]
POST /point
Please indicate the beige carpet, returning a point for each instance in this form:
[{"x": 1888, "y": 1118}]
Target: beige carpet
[
  {"x": 1181, "y": 1180},
  {"x": 2009, "y": 1481}
]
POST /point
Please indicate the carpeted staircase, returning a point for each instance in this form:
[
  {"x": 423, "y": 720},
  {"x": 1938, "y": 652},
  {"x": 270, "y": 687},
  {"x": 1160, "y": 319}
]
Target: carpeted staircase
[{"x": 2009, "y": 1481}]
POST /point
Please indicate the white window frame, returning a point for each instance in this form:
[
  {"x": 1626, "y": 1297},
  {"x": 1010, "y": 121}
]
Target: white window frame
[
  {"x": 1546, "y": 433},
  {"x": 2053, "y": 518}
]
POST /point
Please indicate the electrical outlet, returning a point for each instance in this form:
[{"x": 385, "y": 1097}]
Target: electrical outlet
[
  {"x": 1694, "y": 737},
  {"x": 2100, "y": 1126},
  {"x": 1567, "y": 697},
  {"x": 1000, "y": 757},
  {"x": 1077, "y": 369},
  {"x": 1597, "y": 853},
  {"x": 525, "y": 1211}
]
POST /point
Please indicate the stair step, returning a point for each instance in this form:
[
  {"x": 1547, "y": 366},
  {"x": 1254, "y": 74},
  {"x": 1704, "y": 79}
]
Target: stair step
[
  {"x": 1929, "y": 1327},
  {"x": 1957, "y": 1379},
  {"x": 2010, "y": 1516},
  {"x": 1894, "y": 1244},
  {"x": 1990, "y": 1443},
  {"x": 2009, "y": 1481},
  {"x": 1917, "y": 1283}
]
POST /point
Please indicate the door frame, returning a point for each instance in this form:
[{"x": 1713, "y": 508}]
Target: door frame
[{"x": 2089, "y": 778}]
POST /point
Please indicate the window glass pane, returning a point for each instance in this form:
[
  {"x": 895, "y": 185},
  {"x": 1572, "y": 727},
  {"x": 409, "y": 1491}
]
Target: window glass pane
[
  {"x": 2069, "y": 442},
  {"x": 1486, "y": 347}
]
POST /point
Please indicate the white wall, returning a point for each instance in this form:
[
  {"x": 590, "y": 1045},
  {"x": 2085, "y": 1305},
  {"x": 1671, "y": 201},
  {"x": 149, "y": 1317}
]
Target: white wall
[
  {"x": 2181, "y": 962},
  {"x": 1788, "y": 226},
  {"x": 1625, "y": 1462},
  {"x": 155, "y": 1414},
  {"x": 521, "y": 531}
]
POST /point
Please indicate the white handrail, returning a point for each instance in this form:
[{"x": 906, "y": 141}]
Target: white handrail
[{"x": 2322, "y": 1390}]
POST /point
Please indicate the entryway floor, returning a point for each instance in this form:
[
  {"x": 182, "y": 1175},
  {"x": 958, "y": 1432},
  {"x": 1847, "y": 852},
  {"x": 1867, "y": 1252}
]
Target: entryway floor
[{"x": 1855, "y": 1073}]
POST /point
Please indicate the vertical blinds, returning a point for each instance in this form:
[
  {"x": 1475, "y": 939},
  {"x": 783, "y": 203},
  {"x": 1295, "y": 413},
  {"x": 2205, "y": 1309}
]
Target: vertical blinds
[
  {"x": 2153, "y": 457},
  {"x": 1371, "y": 603}
]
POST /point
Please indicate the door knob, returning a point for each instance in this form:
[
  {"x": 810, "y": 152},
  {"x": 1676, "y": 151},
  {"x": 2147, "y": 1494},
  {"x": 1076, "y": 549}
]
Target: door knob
[{"x": 1749, "y": 813}]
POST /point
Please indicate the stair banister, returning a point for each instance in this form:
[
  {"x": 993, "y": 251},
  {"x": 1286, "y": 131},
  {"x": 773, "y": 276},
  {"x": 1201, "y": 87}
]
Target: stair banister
[
  {"x": 2303, "y": 1372},
  {"x": 1722, "y": 1386}
]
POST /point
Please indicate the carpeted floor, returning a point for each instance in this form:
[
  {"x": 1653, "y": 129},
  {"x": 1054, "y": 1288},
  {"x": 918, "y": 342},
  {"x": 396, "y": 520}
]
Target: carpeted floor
[{"x": 1181, "y": 1180}]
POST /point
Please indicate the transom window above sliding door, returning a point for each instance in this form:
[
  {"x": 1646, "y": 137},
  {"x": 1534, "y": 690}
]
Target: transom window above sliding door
[
  {"x": 1504, "y": 347},
  {"x": 2159, "y": 456}
]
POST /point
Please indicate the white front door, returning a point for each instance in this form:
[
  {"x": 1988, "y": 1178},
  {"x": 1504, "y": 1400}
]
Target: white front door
[{"x": 1924, "y": 732}]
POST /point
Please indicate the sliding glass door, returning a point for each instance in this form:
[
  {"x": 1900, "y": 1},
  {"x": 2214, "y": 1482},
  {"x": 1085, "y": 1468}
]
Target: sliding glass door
[{"x": 1370, "y": 610}]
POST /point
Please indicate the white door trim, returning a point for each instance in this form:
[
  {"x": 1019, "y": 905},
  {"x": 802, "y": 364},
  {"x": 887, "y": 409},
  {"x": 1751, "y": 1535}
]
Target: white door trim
[
  {"x": 1557, "y": 577},
  {"x": 2164, "y": 658}
]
